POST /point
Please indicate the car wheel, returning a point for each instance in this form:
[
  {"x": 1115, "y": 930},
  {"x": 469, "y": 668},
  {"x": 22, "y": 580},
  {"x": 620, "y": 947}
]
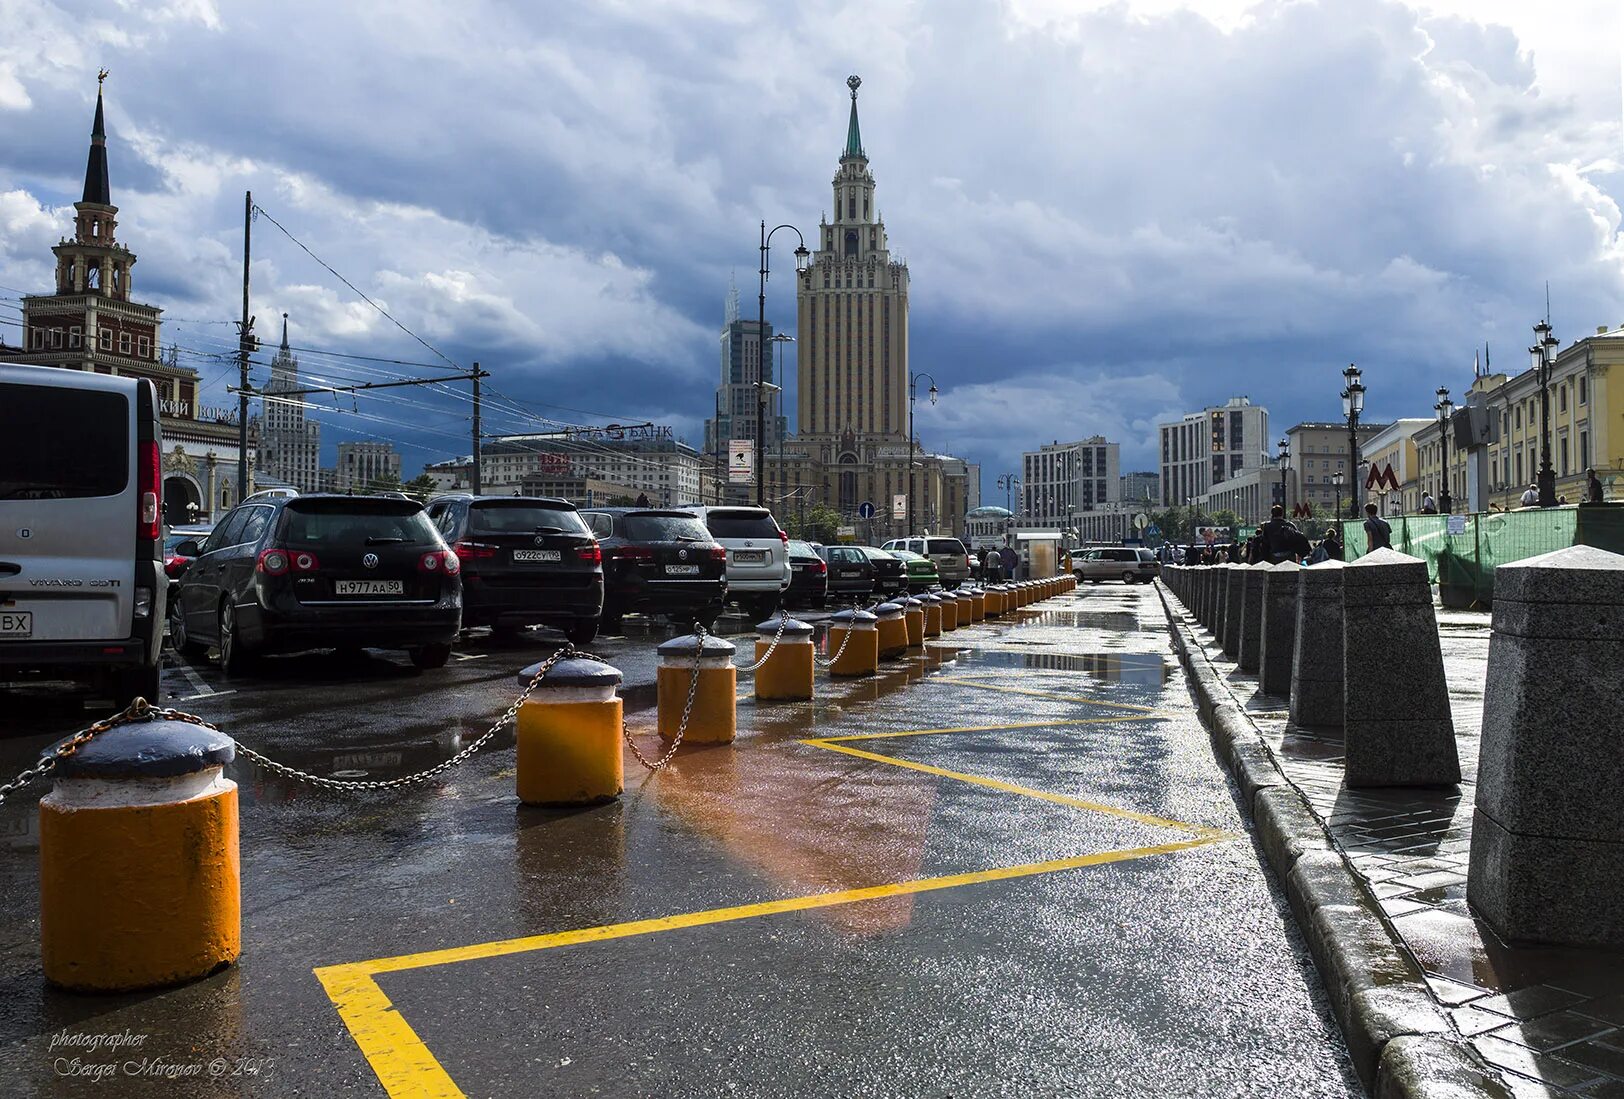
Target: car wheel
[
  {"x": 235, "y": 659},
  {"x": 582, "y": 631},
  {"x": 128, "y": 684},
  {"x": 1129, "y": 578},
  {"x": 430, "y": 656},
  {"x": 178, "y": 638}
]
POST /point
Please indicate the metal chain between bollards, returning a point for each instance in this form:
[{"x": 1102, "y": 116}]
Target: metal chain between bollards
[
  {"x": 687, "y": 711},
  {"x": 844, "y": 641},
  {"x": 783, "y": 620},
  {"x": 139, "y": 709}
]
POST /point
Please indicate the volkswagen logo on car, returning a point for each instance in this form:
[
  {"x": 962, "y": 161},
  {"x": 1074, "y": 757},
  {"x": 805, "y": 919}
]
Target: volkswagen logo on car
[
  {"x": 370, "y": 560},
  {"x": 682, "y": 555}
]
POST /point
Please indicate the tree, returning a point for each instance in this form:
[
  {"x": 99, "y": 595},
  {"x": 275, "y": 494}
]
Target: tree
[
  {"x": 384, "y": 482},
  {"x": 821, "y": 523},
  {"x": 421, "y": 487}
]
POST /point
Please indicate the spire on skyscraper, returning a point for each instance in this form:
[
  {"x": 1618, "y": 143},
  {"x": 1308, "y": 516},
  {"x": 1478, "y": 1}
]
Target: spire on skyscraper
[
  {"x": 854, "y": 138},
  {"x": 96, "y": 188},
  {"x": 284, "y": 331}
]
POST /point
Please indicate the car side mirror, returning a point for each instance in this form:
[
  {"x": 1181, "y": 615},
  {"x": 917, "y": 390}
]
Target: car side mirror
[{"x": 188, "y": 548}]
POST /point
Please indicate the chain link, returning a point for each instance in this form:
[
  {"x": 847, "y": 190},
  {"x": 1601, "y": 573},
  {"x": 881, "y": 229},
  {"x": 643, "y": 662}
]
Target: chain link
[
  {"x": 845, "y": 640},
  {"x": 139, "y": 709},
  {"x": 783, "y": 620},
  {"x": 687, "y": 711}
]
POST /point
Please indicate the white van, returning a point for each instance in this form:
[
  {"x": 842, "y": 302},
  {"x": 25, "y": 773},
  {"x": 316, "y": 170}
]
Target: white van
[
  {"x": 82, "y": 584},
  {"x": 758, "y": 569}
]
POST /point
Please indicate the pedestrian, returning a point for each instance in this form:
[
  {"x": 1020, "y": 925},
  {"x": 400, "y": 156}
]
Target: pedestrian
[
  {"x": 1530, "y": 498},
  {"x": 1278, "y": 537},
  {"x": 1008, "y": 559},
  {"x": 642, "y": 499},
  {"x": 1428, "y": 505},
  {"x": 1329, "y": 549},
  {"x": 1378, "y": 531},
  {"x": 1593, "y": 492}
]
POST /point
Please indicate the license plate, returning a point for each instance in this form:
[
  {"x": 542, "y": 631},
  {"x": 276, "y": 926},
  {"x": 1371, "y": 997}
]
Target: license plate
[
  {"x": 682, "y": 570},
  {"x": 538, "y": 555},
  {"x": 754, "y": 556},
  {"x": 16, "y": 623},
  {"x": 851, "y": 572},
  {"x": 367, "y": 587}
]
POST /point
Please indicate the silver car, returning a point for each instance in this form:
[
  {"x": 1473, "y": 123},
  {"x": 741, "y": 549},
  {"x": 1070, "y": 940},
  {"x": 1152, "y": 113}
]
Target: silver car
[
  {"x": 951, "y": 559},
  {"x": 1129, "y": 564},
  {"x": 758, "y": 568}
]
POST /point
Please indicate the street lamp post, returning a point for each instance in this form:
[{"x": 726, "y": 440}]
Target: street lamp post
[
  {"x": 1008, "y": 482},
  {"x": 780, "y": 486},
  {"x": 1445, "y": 408},
  {"x": 1543, "y": 354},
  {"x": 1353, "y": 403},
  {"x": 1285, "y": 453},
  {"x": 801, "y": 255},
  {"x": 913, "y": 436},
  {"x": 1336, "y": 479}
]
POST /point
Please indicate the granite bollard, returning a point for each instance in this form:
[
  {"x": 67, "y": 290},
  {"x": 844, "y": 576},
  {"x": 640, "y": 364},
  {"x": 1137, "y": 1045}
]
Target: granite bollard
[
  {"x": 1397, "y": 729},
  {"x": 1316, "y": 653},
  {"x": 1279, "y": 629},
  {"x": 1251, "y": 628},
  {"x": 1234, "y": 607},
  {"x": 1220, "y": 601},
  {"x": 1547, "y": 860}
]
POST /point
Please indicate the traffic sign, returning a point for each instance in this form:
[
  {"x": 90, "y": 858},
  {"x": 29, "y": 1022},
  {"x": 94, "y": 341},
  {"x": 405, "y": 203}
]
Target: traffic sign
[
  {"x": 865, "y": 510},
  {"x": 741, "y": 461},
  {"x": 1153, "y": 530},
  {"x": 1141, "y": 521},
  {"x": 899, "y": 506}
]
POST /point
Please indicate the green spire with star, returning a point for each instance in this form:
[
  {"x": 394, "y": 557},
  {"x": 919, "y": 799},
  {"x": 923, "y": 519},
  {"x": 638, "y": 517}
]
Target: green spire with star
[{"x": 854, "y": 137}]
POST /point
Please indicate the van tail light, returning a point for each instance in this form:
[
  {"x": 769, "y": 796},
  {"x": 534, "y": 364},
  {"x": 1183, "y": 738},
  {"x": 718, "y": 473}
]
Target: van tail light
[
  {"x": 590, "y": 554},
  {"x": 440, "y": 561},
  {"x": 473, "y": 551},
  {"x": 151, "y": 492},
  {"x": 632, "y": 553},
  {"x": 272, "y": 562}
]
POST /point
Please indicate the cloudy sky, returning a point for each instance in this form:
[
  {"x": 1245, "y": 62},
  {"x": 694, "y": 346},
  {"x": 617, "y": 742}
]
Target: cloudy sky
[{"x": 1113, "y": 212}]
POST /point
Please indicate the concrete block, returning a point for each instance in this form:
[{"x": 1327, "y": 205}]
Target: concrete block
[
  {"x": 1234, "y": 606},
  {"x": 1286, "y": 827},
  {"x": 1251, "y": 628},
  {"x": 1220, "y": 600},
  {"x": 1429, "y": 1066},
  {"x": 1397, "y": 727},
  {"x": 1279, "y": 629},
  {"x": 1316, "y": 661},
  {"x": 1549, "y": 889}
]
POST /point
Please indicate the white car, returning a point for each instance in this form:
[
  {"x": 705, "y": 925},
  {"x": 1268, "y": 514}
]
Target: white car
[
  {"x": 758, "y": 567},
  {"x": 82, "y": 584},
  {"x": 951, "y": 559}
]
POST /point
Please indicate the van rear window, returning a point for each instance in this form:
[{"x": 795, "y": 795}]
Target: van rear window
[
  {"x": 741, "y": 524},
  {"x": 494, "y": 517},
  {"x": 60, "y": 444},
  {"x": 353, "y": 523}
]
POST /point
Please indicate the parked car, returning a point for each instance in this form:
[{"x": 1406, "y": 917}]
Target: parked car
[
  {"x": 284, "y": 574},
  {"x": 82, "y": 589},
  {"x": 921, "y": 571},
  {"x": 951, "y": 559},
  {"x": 890, "y": 575},
  {"x": 526, "y": 561},
  {"x": 658, "y": 561},
  {"x": 174, "y": 563},
  {"x": 1130, "y": 564},
  {"x": 851, "y": 574},
  {"x": 809, "y": 577},
  {"x": 758, "y": 571}
]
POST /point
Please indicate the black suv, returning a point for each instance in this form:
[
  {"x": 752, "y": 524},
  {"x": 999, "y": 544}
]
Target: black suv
[
  {"x": 851, "y": 573},
  {"x": 658, "y": 561},
  {"x": 526, "y": 561},
  {"x": 809, "y": 577},
  {"x": 314, "y": 572},
  {"x": 890, "y": 574}
]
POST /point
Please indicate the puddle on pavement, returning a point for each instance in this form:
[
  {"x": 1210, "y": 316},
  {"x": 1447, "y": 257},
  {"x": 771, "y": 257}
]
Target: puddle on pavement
[{"x": 1136, "y": 669}]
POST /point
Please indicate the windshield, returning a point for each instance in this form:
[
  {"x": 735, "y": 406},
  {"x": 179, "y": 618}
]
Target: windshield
[
  {"x": 495, "y": 517},
  {"x": 353, "y": 522},
  {"x": 653, "y": 527},
  {"x": 741, "y": 524},
  {"x": 802, "y": 549},
  {"x": 947, "y": 545},
  {"x": 34, "y": 462}
]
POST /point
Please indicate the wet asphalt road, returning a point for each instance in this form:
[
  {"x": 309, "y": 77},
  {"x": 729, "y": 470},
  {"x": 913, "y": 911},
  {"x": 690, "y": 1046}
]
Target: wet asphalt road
[{"x": 1049, "y": 892}]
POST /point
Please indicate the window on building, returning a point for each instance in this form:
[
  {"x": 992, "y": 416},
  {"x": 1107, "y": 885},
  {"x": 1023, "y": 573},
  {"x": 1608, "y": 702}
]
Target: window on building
[
  {"x": 1584, "y": 390},
  {"x": 143, "y": 347},
  {"x": 1519, "y": 416},
  {"x": 56, "y": 337},
  {"x": 123, "y": 343},
  {"x": 36, "y": 337},
  {"x": 106, "y": 338},
  {"x": 75, "y": 336},
  {"x": 92, "y": 277},
  {"x": 1562, "y": 398},
  {"x": 1584, "y": 450},
  {"x": 1562, "y": 450}
]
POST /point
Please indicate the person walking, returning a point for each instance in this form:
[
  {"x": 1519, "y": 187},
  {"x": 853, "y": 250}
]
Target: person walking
[
  {"x": 1279, "y": 537},
  {"x": 1593, "y": 491},
  {"x": 642, "y": 499},
  {"x": 1329, "y": 549},
  {"x": 1378, "y": 531},
  {"x": 1428, "y": 505},
  {"x": 1530, "y": 498},
  {"x": 1010, "y": 560}
]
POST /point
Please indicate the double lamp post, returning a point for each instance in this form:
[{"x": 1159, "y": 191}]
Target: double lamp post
[{"x": 801, "y": 257}]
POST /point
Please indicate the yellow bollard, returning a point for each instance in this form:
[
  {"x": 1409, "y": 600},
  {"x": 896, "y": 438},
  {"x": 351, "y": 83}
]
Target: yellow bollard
[
  {"x": 933, "y": 614},
  {"x": 860, "y": 654},
  {"x": 992, "y": 605},
  {"x": 950, "y": 610},
  {"x": 978, "y": 604},
  {"x": 714, "y": 719},
  {"x": 892, "y": 626},
  {"x": 787, "y": 674},
  {"x": 568, "y": 735},
  {"x": 966, "y": 607},
  {"x": 913, "y": 614},
  {"x": 140, "y": 878}
]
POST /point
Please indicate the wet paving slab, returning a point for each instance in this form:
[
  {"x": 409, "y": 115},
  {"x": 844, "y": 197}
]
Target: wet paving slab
[{"x": 984, "y": 871}]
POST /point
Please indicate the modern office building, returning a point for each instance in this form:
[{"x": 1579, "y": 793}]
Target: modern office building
[
  {"x": 1059, "y": 480},
  {"x": 1205, "y": 448}
]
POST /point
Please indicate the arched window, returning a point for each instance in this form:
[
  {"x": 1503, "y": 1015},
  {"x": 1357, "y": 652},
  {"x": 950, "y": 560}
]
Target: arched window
[
  {"x": 851, "y": 242},
  {"x": 851, "y": 204}
]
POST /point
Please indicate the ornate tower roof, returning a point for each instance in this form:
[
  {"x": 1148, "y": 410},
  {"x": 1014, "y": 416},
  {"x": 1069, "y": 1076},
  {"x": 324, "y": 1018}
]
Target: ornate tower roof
[
  {"x": 97, "y": 191},
  {"x": 854, "y": 137}
]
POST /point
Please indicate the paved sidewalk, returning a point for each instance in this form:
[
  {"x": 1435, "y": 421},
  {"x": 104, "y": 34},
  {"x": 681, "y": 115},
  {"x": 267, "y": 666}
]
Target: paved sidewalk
[{"x": 1550, "y": 1019}]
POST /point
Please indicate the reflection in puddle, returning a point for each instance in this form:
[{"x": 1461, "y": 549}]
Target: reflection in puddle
[{"x": 1136, "y": 669}]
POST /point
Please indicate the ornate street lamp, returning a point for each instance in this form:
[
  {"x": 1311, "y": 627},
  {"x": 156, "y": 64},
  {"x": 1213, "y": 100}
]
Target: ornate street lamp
[
  {"x": 1336, "y": 479},
  {"x": 801, "y": 256},
  {"x": 1353, "y": 403},
  {"x": 1285, "y": 454},
  {"x": 1543, "y": 354},
  {"x": 913, "y": 436},
  {"x": 1445, "y": 408}
]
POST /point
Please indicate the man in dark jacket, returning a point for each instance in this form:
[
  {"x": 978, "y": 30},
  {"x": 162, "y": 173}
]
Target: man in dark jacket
[
  {"x": 1593, "y": 491},
  {"x": 1378, "y": 531},
  {"x": 1279, "y": 537}
]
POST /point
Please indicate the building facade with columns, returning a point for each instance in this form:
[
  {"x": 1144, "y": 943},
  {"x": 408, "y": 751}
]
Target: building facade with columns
[
  {"x": 92, "y": 321},
  {"x": 289, "y": 443}
]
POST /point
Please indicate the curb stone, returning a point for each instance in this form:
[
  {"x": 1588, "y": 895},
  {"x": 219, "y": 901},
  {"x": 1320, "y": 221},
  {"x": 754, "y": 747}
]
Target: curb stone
[{"x": 1401, "y": 1044}]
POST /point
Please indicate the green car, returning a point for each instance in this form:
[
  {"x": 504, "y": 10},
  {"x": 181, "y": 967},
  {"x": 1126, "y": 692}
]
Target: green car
[{"x": 922, "y": 574}]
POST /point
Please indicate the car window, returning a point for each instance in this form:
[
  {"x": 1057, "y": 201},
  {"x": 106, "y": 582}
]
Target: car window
[
  {"x": 34, "y": 465},
  {"x": 654, "y": 527},
  {"x": 253, "y": 525},
  {"x": 445, "y": 518},
  {"x": 741, "y": 524},
  {"x": 802, "y": 549},
  {"x": 522, "y": 517},
  {"x": 226, "y": 533},
  {"x": 355, "y": 522},
  {"x": 602, "y": 525},
  {"x": 947, "y": 545}
]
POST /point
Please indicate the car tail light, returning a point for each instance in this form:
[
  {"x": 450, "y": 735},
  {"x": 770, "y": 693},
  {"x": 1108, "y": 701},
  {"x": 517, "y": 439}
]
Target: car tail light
[
  {"x": 151, "y": 489},
  {"x": 719, "y": 553},
  {"x": 272, "y": 562},
  {"x": 440, "y": 561},
  {"x": 819, "y": 568},
  {"x": 783, "y": 536},
  {"x": 305, "y": 561},
  {"x": 591, "y": 554},
  {"x": 632, "y": 553},
  {"x": 473, "y": 551}
]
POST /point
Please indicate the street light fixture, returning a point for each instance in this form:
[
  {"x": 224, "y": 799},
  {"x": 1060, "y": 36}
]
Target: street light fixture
[
  {"x": 1285, "y": 454},
  {"x": 779, "y": 340},
  {"x": 1445, "y": 408},
  {"x": 1353, "y": 403},
  {"x": 1008, "y": 482},
  {"x": 913, "y": 435},
  {"x": 1336, "y": 479},
  {"x": 801, "y": 256},
  {"x": 1543, "y": 354}
]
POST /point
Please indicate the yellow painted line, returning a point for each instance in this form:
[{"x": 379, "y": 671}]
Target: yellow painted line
[
  {"x": 1114, "y": 719},
  {"x": 404, "y": 1065},
  {"x": 1024, "y": 791},
  {"x": 1041, "y": 694}
]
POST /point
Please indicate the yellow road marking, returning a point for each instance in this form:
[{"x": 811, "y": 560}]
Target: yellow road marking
[{"x": 404, "y": 1065}]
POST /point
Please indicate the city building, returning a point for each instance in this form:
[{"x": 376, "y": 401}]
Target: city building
[
  {"x": 1142, "y": 490},
  {"x": 1391, "y": 453},
  {"x": 854, "y": 442},
  {"x": 1249, "y": 494},
  {"x": 609, "y": 462},
  {"x": 747, "y": 352},
  {"x": 92, "y": 321},
  {"x": 1207, "y": 447},
  {"x": 1059, "y": 479},
  {"x": 1317, "y": 452},
  {"x": 289, "y": 444},
  {"x": 361, "y": 463}
]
